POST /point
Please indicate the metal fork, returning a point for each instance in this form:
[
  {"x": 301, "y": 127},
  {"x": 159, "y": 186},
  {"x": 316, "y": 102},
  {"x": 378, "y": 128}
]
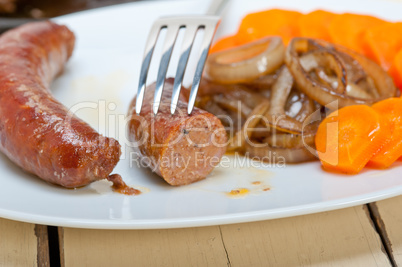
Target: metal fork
[{"x": 191, "y": 24}]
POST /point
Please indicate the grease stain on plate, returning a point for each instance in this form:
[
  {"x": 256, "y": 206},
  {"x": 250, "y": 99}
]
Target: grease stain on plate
[
  {"x": 238, "y": 193},
  {"x": 239, "y": 176}
]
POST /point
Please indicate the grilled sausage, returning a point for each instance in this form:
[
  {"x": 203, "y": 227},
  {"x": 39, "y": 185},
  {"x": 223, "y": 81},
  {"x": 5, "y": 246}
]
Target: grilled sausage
[
  {"x": 37, "y": 132},
  {"x": 180, "y": 148}
]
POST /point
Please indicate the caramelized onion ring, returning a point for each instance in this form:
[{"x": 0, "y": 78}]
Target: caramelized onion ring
[
  {"x": 383, "y": 82},
  {"x": 318, "y": 59},
  {"x": 324, "y": 94},
  {"x": 247, "y": 62}
]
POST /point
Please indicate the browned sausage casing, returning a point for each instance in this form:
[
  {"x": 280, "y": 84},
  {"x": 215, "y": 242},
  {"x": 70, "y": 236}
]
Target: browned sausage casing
[
  {"x": 181, "y": 148},
  {"x": 36, "y": 131}
]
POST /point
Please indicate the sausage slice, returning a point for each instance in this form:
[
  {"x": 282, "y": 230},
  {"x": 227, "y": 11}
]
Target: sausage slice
[{"x": 180, "y": 148}]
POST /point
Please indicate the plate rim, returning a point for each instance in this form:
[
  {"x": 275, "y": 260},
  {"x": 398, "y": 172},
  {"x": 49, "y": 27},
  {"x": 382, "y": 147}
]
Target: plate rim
[{"x": 233, "y": 218}]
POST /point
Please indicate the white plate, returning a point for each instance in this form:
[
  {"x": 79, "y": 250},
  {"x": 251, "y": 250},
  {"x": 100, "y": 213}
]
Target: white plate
[{"x": 104, "y": 70}]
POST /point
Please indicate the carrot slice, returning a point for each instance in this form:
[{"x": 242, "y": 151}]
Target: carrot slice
[
  {"x": 225, "y": 43},
  {"x": 348, "y": 138},
  {"x": 391, "y": 110},
  {"x": 348, "y": 30},
  {"x": 383, "y": 42},
  {"x": 396, "y": 70},
  {"x": 315, "y": 24},
  {"x": 279, "y": 22}
]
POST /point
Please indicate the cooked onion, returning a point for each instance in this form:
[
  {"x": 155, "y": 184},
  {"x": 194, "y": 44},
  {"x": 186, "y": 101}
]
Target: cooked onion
[
  {"x": 289, "y": 140},
  {"x": 356, "y": 91},
  {"x": 280, "y": 92},
  {"x": 276, "y": 154},
  {"x": 276, "y": 117},
  {"x": 232, "y": 104},
  {"x": 283, "y": 123},
  {"x": 354, "y": 70},
  {"x": 318, "y": 59},
  {"x": 263, "y": 83},
  {"x": 306, "y": 109},
  {"x": 383, "y": 82},
  {"x": 211, "y": 106},
  {"x": 208, "y": 87},
  {"x": 250, "y": 99},
  {"x": 247, "y": 62},
  {"x": 238, "y": 140},
  {"x": 277, "y": 99},
  {"x": 353, "y": 74}
]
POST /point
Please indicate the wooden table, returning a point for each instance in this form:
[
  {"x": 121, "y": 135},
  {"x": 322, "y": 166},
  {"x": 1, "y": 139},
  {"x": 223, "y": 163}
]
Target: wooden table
[{"x": 366, "y": 235}]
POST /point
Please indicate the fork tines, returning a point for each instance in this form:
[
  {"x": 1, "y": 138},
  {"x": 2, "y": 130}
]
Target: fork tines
[{"x": 173, "y": 25}]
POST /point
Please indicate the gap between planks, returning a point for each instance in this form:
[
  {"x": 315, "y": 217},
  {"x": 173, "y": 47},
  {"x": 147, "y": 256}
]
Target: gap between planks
[
  {"x": 41, "y": 233},
  {"x": 387, "y": 214},
  {"x": 343, "y": 237},
  {"x": 23, "y": 244}
]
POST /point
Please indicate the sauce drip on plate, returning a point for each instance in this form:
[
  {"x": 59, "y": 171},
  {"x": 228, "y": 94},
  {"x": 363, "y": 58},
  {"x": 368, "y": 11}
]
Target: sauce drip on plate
[{"x": 121, "y": 187}]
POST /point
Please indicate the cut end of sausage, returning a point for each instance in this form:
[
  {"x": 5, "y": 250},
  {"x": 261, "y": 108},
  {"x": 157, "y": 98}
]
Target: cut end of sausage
[
  {"x": 180, "y": 148},
  {"x": 193, "y": 150},
  {"x": 96, "y": 163}
]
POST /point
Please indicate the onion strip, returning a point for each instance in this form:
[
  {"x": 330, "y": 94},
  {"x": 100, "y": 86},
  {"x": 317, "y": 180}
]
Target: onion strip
[
  {"x": 280, "y": 92},
  {"x": 289, "y": 140},
  {"x": 239, "y": 139},
  {"x": 247, "y": 62},
  {"x": 277, "y": 155}
]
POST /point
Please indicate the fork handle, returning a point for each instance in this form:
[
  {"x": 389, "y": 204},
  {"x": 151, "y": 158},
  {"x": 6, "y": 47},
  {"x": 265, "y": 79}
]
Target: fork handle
[{"x": 216, "y": 7}]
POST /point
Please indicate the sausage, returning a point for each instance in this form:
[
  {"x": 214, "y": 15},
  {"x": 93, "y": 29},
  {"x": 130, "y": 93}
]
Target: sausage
[
  {"x": 37, "y": 132},
  {"x": 180, "y": 148}
]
